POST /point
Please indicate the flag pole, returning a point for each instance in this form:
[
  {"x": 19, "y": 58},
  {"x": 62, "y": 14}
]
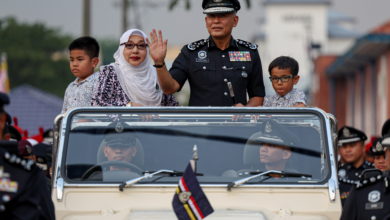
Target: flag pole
[{"x": 195, "y": 157}]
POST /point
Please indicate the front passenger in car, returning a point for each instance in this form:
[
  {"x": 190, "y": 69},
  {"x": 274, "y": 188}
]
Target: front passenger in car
[
  {"x": 272, "y": 146},
  {"x": 274, "y": 157}
]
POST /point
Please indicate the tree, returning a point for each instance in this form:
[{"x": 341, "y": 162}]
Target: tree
[
  {"x": 36, "y": 55},
  {"x": 187, "y": 3}
]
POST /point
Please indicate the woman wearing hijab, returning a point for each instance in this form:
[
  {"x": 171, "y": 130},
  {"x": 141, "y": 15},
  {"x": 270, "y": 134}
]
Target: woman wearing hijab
[{"x": 131, "y": 80}]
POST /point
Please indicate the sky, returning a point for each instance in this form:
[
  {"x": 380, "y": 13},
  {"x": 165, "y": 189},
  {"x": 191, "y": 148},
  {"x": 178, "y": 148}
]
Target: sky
[{"x": 179, "y": 26}]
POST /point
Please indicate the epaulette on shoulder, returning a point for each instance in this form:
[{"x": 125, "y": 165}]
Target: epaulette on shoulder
[
  {"x": 369, "y": 177},
  {"x": 196, "y": 44},
  {"x": 15, "y": 159},
  {"x": 247, "y": 44}
]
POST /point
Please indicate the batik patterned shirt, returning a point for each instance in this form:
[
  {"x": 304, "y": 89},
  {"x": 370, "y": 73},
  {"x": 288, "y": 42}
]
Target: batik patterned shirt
[
  {"x": 109, "y": 92},
  {"x": 294, "y": 97},
  {"x": 79, "y": 93}
]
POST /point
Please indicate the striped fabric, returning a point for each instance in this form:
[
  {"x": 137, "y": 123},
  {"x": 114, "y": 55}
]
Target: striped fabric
[{"x": 189, "y": 201}]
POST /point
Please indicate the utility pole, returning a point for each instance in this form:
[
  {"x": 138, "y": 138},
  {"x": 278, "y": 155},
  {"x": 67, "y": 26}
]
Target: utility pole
[
  {"x": 125, "y": 6},
  {"x": 86, "y": 17}
]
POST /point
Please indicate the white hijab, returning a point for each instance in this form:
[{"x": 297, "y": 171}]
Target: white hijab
[{"x": 138, "y": 82}]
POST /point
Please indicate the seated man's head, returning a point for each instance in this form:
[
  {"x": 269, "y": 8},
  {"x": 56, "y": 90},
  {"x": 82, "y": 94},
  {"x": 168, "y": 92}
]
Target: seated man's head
[
  {"x": 273, "y": 156},
  {"x": 274, "y": 142},
  {"x": 120, "y": 146}
]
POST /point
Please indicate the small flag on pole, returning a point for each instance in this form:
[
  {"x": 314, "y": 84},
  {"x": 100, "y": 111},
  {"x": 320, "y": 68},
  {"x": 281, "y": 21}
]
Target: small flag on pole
[
  {"x": 189, "y": 201},
  {"x": 4, "y": 81}
]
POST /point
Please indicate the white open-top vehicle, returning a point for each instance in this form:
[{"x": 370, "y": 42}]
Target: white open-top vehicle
[{"x": 227, "y": 166}]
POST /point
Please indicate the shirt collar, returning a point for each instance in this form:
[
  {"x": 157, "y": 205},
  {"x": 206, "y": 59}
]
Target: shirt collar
[
  {"x": 287, "y": 96},
  {"x": 77, "y": 82},
  {"x": 232, "y": 44}
]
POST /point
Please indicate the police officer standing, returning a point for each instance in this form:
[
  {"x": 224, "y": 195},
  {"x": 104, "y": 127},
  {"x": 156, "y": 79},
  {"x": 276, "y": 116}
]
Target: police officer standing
[
  {"x": 370, "y": 199},
  {"x": 221, "y": 70},
  {"x": 351, "y": 149},
  {"x": 23, "y": 187}
]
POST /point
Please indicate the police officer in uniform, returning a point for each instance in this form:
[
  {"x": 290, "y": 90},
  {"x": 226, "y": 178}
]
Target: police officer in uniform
[
  {"x": 370, "y": 198},
  {"x": 351, "y": 149},
  {"x": 23, "y": 187},
  {"x": 221, "y": 70}
]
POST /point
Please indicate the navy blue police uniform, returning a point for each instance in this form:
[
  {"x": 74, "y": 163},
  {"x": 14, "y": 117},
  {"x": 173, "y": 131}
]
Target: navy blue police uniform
[
  {"x": 219, "y": 77},
  {"x": 349, "y": 175},
  {"x": 370, "y": 198},
  {"x": 23, "y": 189}
]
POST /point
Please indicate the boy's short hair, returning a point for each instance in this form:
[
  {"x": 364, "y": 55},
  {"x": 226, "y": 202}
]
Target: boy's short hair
[
  {"x": 285, "y": 62},
  {"x": 88, "y": 44}
]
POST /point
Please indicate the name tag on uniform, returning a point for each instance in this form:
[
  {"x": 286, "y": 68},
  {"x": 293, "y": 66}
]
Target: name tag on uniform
[{"x": 239, "y": 56}]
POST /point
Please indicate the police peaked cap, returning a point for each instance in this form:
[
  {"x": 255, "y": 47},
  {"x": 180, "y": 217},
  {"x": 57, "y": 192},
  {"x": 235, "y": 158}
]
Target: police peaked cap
[
  {"x": 220, "y": 6},
  {"x": 4, "y": 100},
  {"x": 386, "y": 133},
  {"x": 386, "y": 128},
  {"x": 274, "y": 133},
  {"x": 120, "y": 140},
  {"x": 349, "y": 135},
  {"x": 378, "y": 148}
]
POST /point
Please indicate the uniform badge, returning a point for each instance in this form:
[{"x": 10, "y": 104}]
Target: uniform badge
[
  {"x": 6, "y": 185},
  {"x": 240, "y": 56},
  {"x": 374, "y": 196},
  {"x": 184, "y": 196},
  {"x": 202, "y": 57},
  {"x": 342, "y": 173}
]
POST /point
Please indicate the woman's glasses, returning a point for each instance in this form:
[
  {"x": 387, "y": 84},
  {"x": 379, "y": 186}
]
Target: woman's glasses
[
  {"x": 282, "y": 78},
  {"x": 131, "y": 46}
]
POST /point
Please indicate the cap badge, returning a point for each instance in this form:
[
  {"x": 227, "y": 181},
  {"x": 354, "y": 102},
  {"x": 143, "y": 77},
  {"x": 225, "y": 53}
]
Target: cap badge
[
  {"x": 378, "y": 147},
  {"x": 374, "y": 196},
  {"x": 268, "y": 127},
  {"x": 184, "y": 196},
  {"x": 119, "y": 127},
  {"x": 346, "y": 132}
]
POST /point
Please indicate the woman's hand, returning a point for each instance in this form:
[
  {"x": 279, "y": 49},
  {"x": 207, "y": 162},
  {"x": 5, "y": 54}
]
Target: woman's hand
[{"x": 157, "y": 47}]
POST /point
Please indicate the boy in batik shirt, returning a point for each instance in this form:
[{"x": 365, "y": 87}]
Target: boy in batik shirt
[
  {"x": 284, "y": 75},
  {"x": 83, "y": 59}
]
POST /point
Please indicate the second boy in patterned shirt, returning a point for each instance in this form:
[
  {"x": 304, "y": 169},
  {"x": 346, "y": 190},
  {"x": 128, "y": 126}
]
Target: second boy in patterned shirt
[
  {"x": 83, "y": 59},
  {"x": 284, "y": 75}
]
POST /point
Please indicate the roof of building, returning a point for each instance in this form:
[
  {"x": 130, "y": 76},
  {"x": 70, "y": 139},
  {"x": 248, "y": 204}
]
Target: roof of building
[
  {"x": 338, "y": 31},
  {"x": 34, "y": 108},
  {"x": 296, "y": 2},
  {"x": 335, "y": 16},
  {"x": 365, "y": 49}
]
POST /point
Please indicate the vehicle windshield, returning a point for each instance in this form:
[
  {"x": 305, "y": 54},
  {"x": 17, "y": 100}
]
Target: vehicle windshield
[{"x": 118, "y": 146}]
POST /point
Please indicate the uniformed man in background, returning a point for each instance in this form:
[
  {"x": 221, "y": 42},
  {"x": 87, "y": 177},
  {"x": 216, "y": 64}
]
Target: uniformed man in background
[
  {"x": 221, "y": 70},
  {"x": 370, "y": 198},
  {"x": 352, "y": 152},
  {"x": 23, "y": 187}
]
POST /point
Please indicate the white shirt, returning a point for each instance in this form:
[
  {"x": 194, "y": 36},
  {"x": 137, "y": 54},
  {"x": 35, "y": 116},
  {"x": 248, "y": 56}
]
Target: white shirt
[{"x": 79, "y": 93}]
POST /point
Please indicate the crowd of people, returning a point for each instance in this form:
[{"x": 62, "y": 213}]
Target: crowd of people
[{"x": 221, "y": 71}]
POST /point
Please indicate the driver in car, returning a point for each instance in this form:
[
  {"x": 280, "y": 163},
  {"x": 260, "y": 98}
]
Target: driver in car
[{"x": 120, "y": 147}]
